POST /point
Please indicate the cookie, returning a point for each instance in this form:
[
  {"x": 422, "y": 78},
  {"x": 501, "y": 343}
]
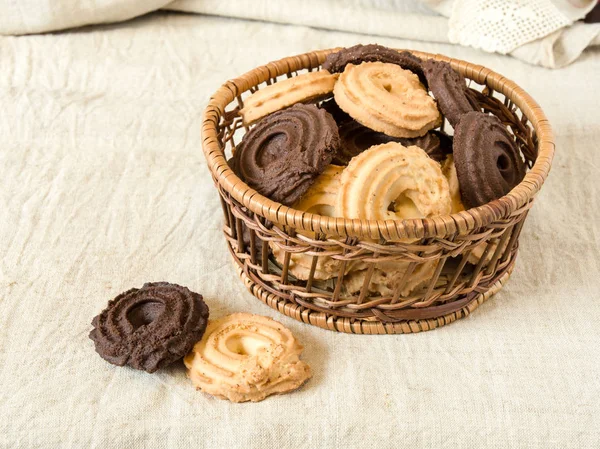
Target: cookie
[
  {"x": 244, "y": 357},
  {"x": 319, "y": 199},
  {"x": 386, "y": 98},
  {"x": 298, "y": 89},
  {"x": 488, "y": 162},
  {"x": 285, "y": 152},
  {"x": 437, "y": 144},
  {"x": 356, "y": 138},
  {"x": 449, "y": 171},
  {"x": 151, "y": 327},
  {"x": 337, "y": 62},
  {"x": 449, "y": 89},
  {"x": 391, "y": 181},
  {"x": 385, "y": 280},
  {"x": 336, "y": 112}
]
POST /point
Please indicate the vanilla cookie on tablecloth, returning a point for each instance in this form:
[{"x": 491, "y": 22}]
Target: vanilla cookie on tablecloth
[{"x": 244, "y": 357}]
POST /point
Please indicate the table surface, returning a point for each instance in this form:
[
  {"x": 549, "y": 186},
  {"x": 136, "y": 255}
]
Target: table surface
[{"x": 104, "y": 187}]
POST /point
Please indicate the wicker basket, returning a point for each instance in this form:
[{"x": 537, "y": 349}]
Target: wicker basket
[{"x": 254, "y": 223}]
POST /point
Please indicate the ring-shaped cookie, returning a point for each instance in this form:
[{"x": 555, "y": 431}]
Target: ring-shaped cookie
[
  {"x": 245, "y": 357},
  {"x": 356, "y": 138},
  {"x": 387, "y": 277},
  {"x": 337, "y": 62},
  {"x": 150, "y": 327},
  {"x": 449, "y": 89},
  {"x": 285, "y": 152},
  {"x": 319, "y": 199},
  {"x": 487, "y": 159},
  {"x": 391, "y": 181},
  {"x": 386, "y": 98}
]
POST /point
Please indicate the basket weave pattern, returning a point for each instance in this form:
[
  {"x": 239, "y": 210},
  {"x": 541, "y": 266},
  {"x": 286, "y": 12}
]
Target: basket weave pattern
[{"x": 475, "y": 250}]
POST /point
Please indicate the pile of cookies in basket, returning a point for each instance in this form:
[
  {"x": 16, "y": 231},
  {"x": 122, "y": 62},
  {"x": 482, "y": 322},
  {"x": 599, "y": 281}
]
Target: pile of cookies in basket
[{"x": 359, "y": 139}]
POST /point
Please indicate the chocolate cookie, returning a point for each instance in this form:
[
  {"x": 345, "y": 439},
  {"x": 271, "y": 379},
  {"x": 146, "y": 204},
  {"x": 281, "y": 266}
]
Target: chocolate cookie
[
  {"x": 336, "y": 62},
  {"x": 437, "y": 144},
  {"x": 488, "y": 163},
  {"x": 283, "y": 154},
  {"x": 356, "y": 138},
  {"x": 449, "y": 89},
  {"x": 151, "y": 327},
  {"x": 336, "y": 112}
]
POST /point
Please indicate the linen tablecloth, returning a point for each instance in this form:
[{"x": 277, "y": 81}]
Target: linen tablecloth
[{"x": 104, "y": 187}]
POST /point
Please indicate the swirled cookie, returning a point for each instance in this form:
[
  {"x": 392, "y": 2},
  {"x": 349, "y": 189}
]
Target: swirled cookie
[
  {"x": 449, "y": 89},
  {"x": 245, "y": 357},
  {"x": 449, "y": 171},
  {"x": 150, "y": 327},
  {"x": 437, "y": 144},
  {"x": 319, "y": 199},
  {"x": 390, "y": 181},
  {"x": 488, "y": 163},
  {"x": 337, "y": 62},
  {"x": 298, "y": 89},
  {"x": 385, "y": 281},
  {"x": 386, "y": 98},
  {"x": 285, "y": 152},
  {"x": 356, "y": 138}
]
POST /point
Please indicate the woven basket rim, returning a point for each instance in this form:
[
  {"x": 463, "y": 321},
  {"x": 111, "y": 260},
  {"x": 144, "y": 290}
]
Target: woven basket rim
[{"x": 439, "y": 226}]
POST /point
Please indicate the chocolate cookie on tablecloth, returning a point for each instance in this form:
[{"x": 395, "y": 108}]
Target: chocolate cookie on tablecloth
[
  {"x": 284, "y": 153},
  {"x": 487, "y": 159},
  {"x": 449, "y": 89},
  {"x": 151, "y": 327},
  {"x": 336, "y": 62}
]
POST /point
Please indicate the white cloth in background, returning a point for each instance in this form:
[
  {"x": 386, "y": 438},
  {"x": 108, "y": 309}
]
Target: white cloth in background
[
  {"x": 536, "y": 31},
  {"x": 541, "y": 32},
  {"x": 104, "y": 187},
  {"x": 40, "y": 16}
]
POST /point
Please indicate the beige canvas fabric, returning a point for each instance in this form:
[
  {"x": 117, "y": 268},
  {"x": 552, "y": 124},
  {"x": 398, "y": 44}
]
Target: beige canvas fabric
[
  {"x": 539, "y": 32},
  {"x": 104, "y": 187}
]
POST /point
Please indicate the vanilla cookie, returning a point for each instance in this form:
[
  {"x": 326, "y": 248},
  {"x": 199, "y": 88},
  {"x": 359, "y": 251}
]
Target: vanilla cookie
[
  {"x": 386, "y": 98},
  {"x": 319, "y": 199},
  {"x": 298, "y": 89},
  {"x": 244, "y": 357},
  {"x": 385, "y": 281},
  {"x": 449, "y": 171},
  {"x": 391, "y": 181}
]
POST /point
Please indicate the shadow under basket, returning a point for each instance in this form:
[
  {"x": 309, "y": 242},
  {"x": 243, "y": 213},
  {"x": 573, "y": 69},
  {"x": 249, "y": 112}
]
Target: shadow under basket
[{"x": 470, "y": 255}]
